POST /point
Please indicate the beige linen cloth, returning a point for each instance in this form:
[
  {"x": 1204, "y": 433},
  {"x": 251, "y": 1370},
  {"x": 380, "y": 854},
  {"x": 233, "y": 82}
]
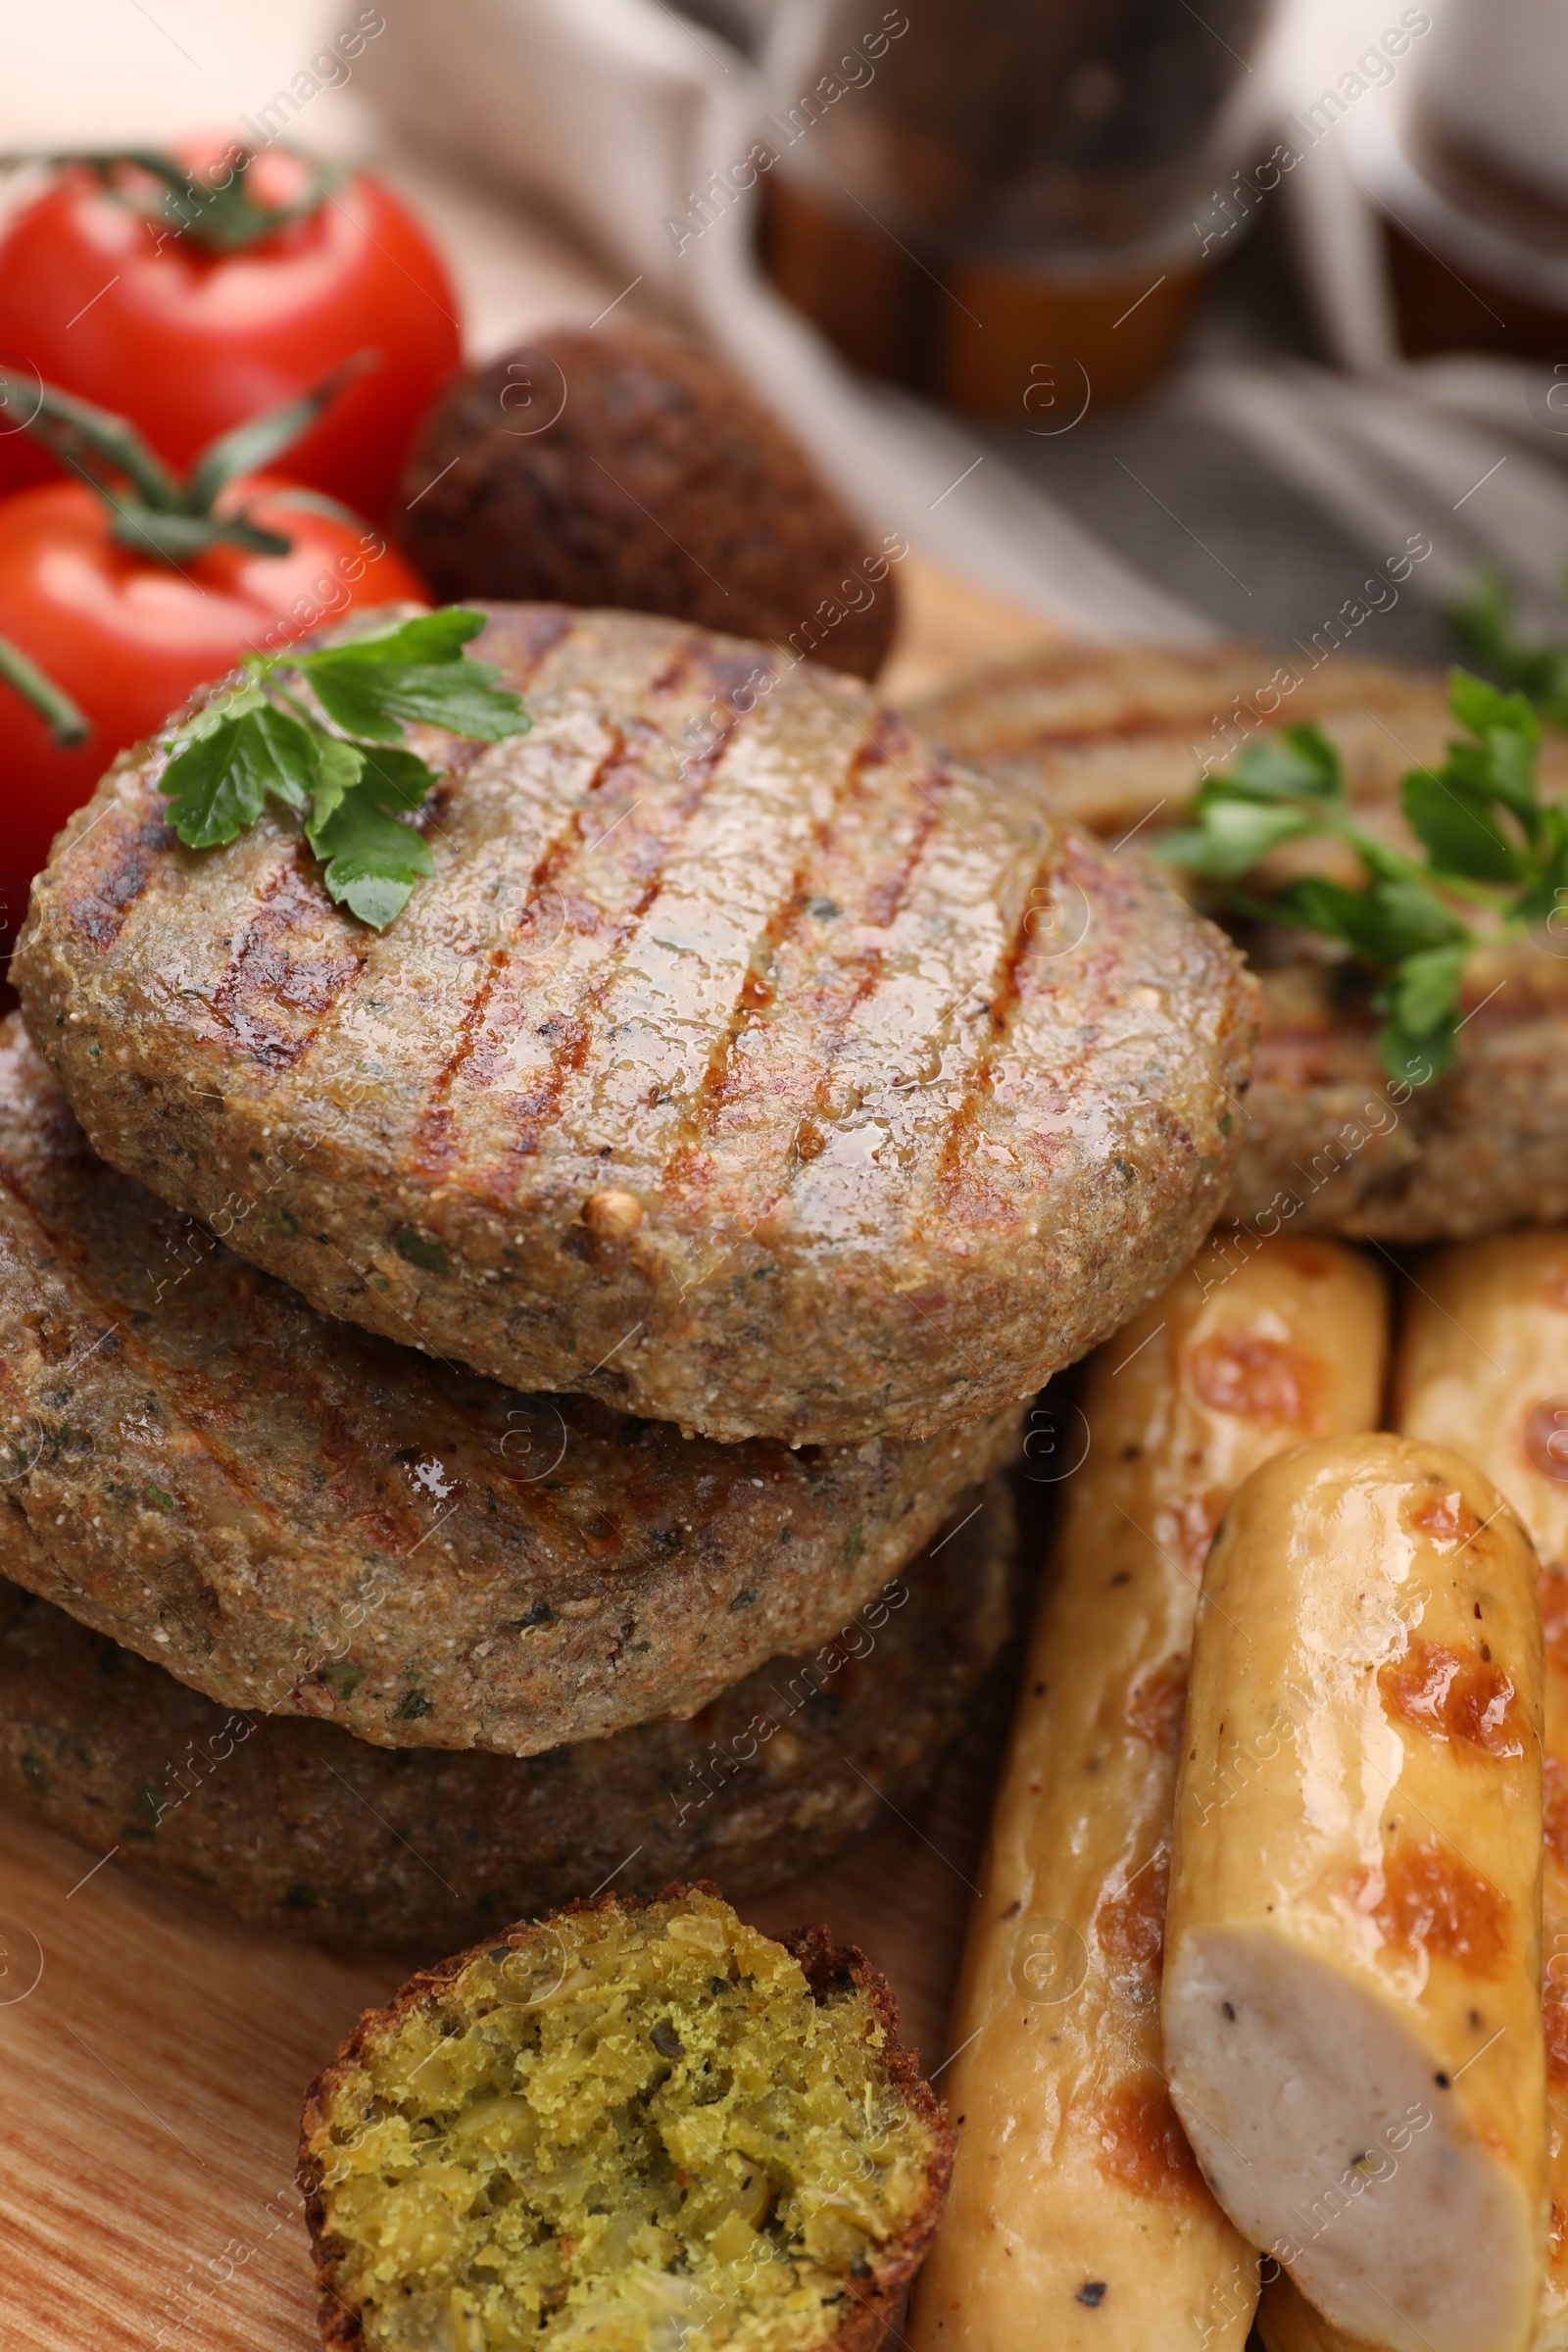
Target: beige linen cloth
[{"x": 612, "y": 115}]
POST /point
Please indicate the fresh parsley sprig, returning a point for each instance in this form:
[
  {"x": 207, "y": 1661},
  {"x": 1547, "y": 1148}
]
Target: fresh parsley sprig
[
  {"x": 1496, "y": 862},
  {"x": 342, "y": 766},
  {"x": 1483, "y": 624}
]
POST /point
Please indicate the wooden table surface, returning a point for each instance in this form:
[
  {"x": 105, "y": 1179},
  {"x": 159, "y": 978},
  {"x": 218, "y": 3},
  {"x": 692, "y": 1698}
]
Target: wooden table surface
[
  {"x": 151, "y": 2079},
  {"x": 154, "y": 2053}
]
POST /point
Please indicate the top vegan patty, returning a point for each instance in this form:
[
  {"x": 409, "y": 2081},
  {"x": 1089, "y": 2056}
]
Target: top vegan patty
[{"x": 744, "y": 1062}]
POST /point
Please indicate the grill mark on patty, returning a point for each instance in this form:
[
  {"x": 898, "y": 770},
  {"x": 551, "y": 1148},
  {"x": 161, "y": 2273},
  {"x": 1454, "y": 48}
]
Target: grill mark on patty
[
  {"x": 436, "y": 1144},
  {"x": 118, "y": 868},
  {"x": 882, "y": 902},
  {"x": 684, "y": 1165},
  {"x": 955, "y": 1165},
  {"x": 261, "y": 970},
  {"x": 359, "y": 1485},
  {"x": 827, "y": 999},
  {"x": 63, "y": 1243},
  {"x": 191, "y": 1401},
  {"x": 572, "y": 1031},
  {"x": 885, "y": 898},
  {"x": 1127, "y": 728},
  {"x": 518, "y": 639}
]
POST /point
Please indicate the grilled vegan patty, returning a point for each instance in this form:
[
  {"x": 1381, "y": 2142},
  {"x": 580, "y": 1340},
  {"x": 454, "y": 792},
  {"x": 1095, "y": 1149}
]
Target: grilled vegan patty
[
  {"x": 743, "y": 1064},
  {"x": 630, "y": 2124},
  {"x": 312, "y": 1834},
  {"x": 296, "y": 1518},
  {"x": 1112, "y": 737}
]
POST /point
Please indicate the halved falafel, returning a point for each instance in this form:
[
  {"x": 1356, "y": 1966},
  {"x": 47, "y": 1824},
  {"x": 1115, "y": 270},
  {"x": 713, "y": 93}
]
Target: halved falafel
[{"x": 630, "y": 2125}]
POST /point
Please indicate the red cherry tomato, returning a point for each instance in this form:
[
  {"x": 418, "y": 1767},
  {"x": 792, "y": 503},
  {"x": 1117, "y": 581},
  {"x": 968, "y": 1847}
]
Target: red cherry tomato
[
  {"x": 128, "y": 639},
  {"x": 103, "y": 297}
]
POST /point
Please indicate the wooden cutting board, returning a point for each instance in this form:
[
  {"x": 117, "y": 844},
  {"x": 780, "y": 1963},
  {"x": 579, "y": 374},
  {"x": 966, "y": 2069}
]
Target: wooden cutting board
[
  {"x": 154, "y": 2054},
  {"x": 152, "y": 2077}
]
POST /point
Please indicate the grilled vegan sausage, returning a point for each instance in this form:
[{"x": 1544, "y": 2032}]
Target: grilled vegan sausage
[
  {"x": 1483, "y": 1366},
  {"x": 1078, "y": 2216},
  {"x": 742, "y": 1063},
  {"x": 1351, "y": 2004}
]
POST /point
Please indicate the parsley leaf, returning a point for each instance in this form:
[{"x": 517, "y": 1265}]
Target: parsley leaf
[
  {"x": 1483, "y": 623},
  {"x": 1383, "y": 921},
  {"x": 371, "y": 861},
  {"x": 1298, "y": 760},
  {"x": 1234, "y": 835},
  {"x": 349, "y": 789},
  {"x": 338, "y": 767},
  {"x": 415, "y": 671},
  {"x": 1495, "y": 859},
  {"x": 218, "y": 784},
  {"x": 1459, "y": 832},
  {"x": 1422, "y": 1000}
]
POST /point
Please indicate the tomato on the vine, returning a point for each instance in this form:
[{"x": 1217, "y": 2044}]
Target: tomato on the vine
[
  {"x": 188, "y": 293},
  {"x": 128, "y": 640},
  {"x": 129, "y": 588}
]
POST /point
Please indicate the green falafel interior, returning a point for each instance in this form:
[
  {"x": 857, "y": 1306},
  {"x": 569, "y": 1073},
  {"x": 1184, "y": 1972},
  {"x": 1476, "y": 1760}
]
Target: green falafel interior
[{"x": 634, "y": 2126}]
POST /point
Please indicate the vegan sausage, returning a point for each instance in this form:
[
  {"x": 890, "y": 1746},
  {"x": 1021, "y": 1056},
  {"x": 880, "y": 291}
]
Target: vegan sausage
[
  {"x": 1078, "y": 2216},
  {"x": 1483, "y": 1365},
  {"x": 1351, "y": 1999}
]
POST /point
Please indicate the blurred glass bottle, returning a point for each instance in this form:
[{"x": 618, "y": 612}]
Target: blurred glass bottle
[
  {"x": 969, "y": 187},
  {"x": 1471, "y": 178}
]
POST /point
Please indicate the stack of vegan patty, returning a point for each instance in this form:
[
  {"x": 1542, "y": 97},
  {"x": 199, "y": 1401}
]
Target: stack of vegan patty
[{"x": 749, "y": 1114}]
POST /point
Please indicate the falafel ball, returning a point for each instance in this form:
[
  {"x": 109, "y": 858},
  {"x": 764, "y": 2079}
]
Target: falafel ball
[{"x": 629, "y": 469}]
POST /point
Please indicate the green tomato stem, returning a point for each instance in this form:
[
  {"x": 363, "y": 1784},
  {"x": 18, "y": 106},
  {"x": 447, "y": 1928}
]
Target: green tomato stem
[
  {"x": 65, "y": 723},
  {"x": 222, "y": 215}
]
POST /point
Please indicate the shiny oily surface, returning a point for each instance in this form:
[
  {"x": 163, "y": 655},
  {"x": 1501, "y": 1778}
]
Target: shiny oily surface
[
  {"x": 299, "y": 1519},
  {"x": 1354, "y": 1906},
  {"x": 1078, "y": 2215},
  {"x": 1483, "y": 1366},
  {"x": 1104, "y": 736},
  {"x": 628, "y": 2127},
  {"x": 744, "y": 1062}
]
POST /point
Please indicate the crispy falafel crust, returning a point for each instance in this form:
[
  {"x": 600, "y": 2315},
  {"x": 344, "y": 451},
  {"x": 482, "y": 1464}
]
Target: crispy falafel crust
[
  {"x": 743, "y": 1063},
  {"x": 1111, "y": 737},
  {"x": 296, "y": 1518},
  {"x": 827, "y": 1967},
  {"x": 662, "y": 485},
  {"x": 302, "y": 1830}
]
